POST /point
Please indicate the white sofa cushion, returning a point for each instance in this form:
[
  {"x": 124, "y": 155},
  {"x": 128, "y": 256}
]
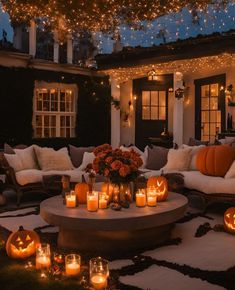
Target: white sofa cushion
[
  {"x": 24, "y": 177},
  {"x": 27, "y": 157},
  {"x": 193, "y": 155},
  {"x": 14, "y": 161},
  {"x": 178, "y": 159},
  {"x": 231, "y": 172},
  {"x": 88, "y": 158}
]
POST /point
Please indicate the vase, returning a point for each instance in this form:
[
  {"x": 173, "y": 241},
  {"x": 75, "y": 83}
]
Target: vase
[{"x": 123, "y": 192}]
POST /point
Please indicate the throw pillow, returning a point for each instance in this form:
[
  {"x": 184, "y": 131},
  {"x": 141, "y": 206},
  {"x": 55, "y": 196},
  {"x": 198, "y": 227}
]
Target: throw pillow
[
  {"x": 231, "y": 172},
  {"x": 215, "y": 160},
  {"x": 178, "y": 159},
  {"x": 27, "y": 157},
  {"x": 194, "y": 152},
  {"x": 8, "y": 149},
  {"x": 195, "y": 142},
  {"x": 88, "y": 158},
  {"x": 76, "y": 154},
  {"x": 14, "y": 161},
  {"x": 156, "y": 158},
  {"x": 49, "y": 159}
]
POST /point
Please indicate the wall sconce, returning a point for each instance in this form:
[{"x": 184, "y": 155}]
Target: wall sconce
[
  {"x": 179, "y": 93},
  {"x": 152, "y": 75},
  {"x": 170, "y": 90}
]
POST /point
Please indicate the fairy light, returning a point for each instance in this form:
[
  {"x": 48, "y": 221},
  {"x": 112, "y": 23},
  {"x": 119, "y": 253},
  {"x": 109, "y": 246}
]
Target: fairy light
[{"x": 211, "y": 63}]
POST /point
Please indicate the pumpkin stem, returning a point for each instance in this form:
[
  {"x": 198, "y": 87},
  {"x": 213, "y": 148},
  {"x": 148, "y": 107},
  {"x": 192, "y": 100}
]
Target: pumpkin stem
[
  {"x": 21, "y": 228},
  {"x": 83, "y": 179}
]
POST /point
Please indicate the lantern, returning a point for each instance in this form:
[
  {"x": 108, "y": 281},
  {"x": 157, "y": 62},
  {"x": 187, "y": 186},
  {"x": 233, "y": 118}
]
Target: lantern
[
  {"x": 81, "y": 190},
  {"x": 22, "y": 244},
  {"x": 229, "y": 220},
  {"x": 108, "y": 188},
  {"x": 161, "y": 186}
]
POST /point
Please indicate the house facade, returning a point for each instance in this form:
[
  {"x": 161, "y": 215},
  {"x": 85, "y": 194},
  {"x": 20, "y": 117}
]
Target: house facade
[{"x": 185, "y": 88}]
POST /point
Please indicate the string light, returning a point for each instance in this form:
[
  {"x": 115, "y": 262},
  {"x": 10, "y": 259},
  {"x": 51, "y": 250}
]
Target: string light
[{"x": 201, "y": 64}]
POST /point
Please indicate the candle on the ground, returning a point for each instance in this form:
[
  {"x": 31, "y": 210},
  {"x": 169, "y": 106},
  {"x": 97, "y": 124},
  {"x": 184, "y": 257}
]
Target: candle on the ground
[
  {"x": 72, "y": 264},
  {"x": 43, "y": 256},
  {"x": 99, "y": 273},
  {"x": 92, "y": 201},
  {"x": 140, "y": 198},
  {"x": 99, "y": 281}
]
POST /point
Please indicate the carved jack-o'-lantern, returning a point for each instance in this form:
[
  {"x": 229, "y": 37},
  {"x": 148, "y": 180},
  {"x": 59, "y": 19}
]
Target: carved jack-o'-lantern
[
  {"x": 161, "y": 186},
  {"x": 22, "y": 244},
  {"x": 229, "y": 220}
]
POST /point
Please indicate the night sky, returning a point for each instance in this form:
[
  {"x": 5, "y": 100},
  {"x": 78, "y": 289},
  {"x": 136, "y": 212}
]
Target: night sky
[{"x": 171, "y": 27}]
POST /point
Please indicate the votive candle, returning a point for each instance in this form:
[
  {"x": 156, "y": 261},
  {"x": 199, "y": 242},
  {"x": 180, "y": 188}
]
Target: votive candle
[
  {"x": 43, "y": 256},
  {"x": 71, "y": 199},
  {"x": 72, "y": 265},
  {"x": 92, "y": 201},
  {"x": 140, "y": 198},
  {"x": 103, "y": 201}
]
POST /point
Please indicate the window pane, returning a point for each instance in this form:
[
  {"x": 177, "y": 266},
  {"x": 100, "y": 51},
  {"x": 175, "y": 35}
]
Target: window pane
[
  {"x": 212, "y": 129},
  {"x": 219, "y": 116},
  {"x": 162, "y": 113},
  {"x": 205, "y": 103},
  {"x": 145, "y": 98},
  {"x": 46, "y": 132},
  {"x": 214, "y": 90},
  {"x": 62, "y": 121},
  {"x": 38, "y": 121},
  {"x": 154, "y": 98},
  {"x": 205, "y": 91},
  {"x": 205, "y": 116},
  {"x": 146, "y": 113},
  {"x": 162, "y": 98},
  {"x": 213, "y": 116},
  {"x": 62, "y": 132},
  {"x": 46, "y": 121},
  {"x": 206, "y": 129},
  {"x": 154, "y": 113},
  {"x": 214, "y": 103},
  {"x": 67, "y": 121},
  {"x": 53, "y": 132},
  {"x": 53, "y": 121},
  {"x": 38, "y": 133}
]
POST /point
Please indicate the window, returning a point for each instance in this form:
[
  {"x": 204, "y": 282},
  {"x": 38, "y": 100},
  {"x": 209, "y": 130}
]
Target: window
[
  {"x": 210, "y": 112},
  {"x": 54, "y": 111},
  {"x": 153, "y": 105}
]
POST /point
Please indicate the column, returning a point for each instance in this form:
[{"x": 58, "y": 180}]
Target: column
[
  {"x": 69, "y": 49},
  {"x": 56, "y": 47},
  {"x": 115, "y": 115},
  {"x": 32, "y": 38},
  {"x": 17, "y": 38},
  {"x": 178, "y": 111}
]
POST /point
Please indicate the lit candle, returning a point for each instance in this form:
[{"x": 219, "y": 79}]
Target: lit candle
[
  {"x": 103, "y": 202},
  {"x": 92, "y": 201},
  {"x": 151, "y": 200},
  {"x": 71, "y": 199},
  {"x": 72, "y": 264},
  {"x": 140, "y": 199},
  {"x": 99, "y": 281},
  {"x": 43, "y": 256},
  {"x": 43, "y": 262}
]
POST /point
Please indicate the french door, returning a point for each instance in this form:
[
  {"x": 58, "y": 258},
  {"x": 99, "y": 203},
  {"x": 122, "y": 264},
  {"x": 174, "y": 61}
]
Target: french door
[{"x": 209, "y": 107}]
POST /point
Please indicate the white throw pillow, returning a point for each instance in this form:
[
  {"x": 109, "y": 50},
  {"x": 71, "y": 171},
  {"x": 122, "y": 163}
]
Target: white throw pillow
[
  {"x": 231, "y": 172},
  {"x": 178, "y": 159},
  {"x": 50, "y": 159},
  {"x": 14, "y": 161},
  {"x": 27, "y": 157},
  {"x": 88, "y": 158},
  {"x": 193, "y": 155}
]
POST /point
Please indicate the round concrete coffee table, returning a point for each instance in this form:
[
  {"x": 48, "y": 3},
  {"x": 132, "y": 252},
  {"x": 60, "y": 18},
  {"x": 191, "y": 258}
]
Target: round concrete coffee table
[{"x": 108, "y": 230}]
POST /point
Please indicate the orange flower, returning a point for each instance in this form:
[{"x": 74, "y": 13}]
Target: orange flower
[
  {"x": 106, "y": 172},
  {"x": 109, "y": 159},
  {"x": 126, "y": 154},
  {"x": 124, "y": 170},
  {"x": 116, "y": 165},
  {"x": 102, "y": 148}
]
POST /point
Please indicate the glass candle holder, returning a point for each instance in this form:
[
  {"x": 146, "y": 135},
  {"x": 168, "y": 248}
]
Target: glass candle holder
[
  {"x": 72, "y": 265},
  {"x": 99, "y": 273},
  {"x": 103, "y": 200},
  {"x": 151, "y": 197},
  {"x": 71, "y": 199},
  {"x": 140, "y": 198},
  {"x": 92, "y": 201},
  {"x": 43, "y": 256}
]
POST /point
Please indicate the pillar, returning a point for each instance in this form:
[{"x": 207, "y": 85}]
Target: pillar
[
  {"x": 178, "y": 111},
  {"x": 69, "y": 49},
  {"x": 115, "y": 115},
  {"x": 56, "y": 47},
  {"x": 32, "y": 38}
]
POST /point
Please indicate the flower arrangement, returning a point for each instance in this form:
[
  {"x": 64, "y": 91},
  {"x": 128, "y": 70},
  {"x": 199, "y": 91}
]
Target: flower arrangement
[{"x": 117, "y": 165}]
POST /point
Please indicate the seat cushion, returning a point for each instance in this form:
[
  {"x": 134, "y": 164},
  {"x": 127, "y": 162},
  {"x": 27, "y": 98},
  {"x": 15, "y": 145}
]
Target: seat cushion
[{"x": 24, "y": 177}]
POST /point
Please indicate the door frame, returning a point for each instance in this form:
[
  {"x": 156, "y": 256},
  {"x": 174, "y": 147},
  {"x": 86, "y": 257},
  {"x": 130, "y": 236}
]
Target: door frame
[{"x": 221, "y": 80}]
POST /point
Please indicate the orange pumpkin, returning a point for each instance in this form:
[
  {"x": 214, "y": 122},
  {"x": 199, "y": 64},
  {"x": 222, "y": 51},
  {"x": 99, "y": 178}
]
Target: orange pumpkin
[
  {"x": 215, "y": 160},
  {"x": 229, "y": 220},
  {"x": 22, "y": 244},
  {"x": 81, "y": 190},
  {"x": 161, "y": 186}
]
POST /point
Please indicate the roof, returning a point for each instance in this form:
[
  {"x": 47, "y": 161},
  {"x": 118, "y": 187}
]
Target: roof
[{"x": 182, "y": 49}]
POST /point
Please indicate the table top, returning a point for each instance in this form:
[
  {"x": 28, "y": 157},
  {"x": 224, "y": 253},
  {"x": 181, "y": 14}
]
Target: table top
[{"x": 54, "y": 212}]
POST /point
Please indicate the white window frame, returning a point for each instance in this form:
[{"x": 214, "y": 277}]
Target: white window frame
[{"x": 58, "y": 114}]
